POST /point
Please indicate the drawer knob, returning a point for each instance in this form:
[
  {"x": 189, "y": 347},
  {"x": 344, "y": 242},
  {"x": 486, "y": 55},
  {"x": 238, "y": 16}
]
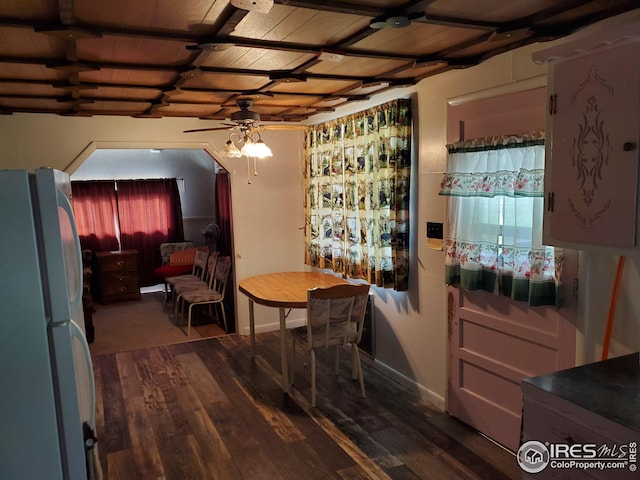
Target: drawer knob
[{"x": 629, "y": 146}]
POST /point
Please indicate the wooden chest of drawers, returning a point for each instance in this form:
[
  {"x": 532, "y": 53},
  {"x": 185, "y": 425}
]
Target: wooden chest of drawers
[{"x": 118, "y": 275}]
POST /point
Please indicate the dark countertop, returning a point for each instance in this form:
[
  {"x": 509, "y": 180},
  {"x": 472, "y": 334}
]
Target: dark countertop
[{"x": 610, "y": 388}]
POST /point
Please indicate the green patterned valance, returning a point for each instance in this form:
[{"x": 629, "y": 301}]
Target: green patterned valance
[
  {"x": 489, "y": 167},
  {"x": 526, "y": 183}
]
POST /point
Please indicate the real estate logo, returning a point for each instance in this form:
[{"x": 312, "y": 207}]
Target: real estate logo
[{"x": 534, "y": 456}]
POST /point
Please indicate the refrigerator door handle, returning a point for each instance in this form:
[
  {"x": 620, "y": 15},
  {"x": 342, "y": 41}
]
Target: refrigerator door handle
[{"x": 76, "y": 332}]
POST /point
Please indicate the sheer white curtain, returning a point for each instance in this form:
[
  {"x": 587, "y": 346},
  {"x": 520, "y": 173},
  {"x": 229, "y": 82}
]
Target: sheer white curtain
[{"x": 494, "y": 235}]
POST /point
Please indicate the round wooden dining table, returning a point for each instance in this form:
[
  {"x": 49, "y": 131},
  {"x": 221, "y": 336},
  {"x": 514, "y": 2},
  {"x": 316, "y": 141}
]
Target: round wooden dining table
[{"x": 283, "y": 290}]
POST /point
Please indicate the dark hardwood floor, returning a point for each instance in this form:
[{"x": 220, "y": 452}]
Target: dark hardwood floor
[{"x": 206, "y": 410}]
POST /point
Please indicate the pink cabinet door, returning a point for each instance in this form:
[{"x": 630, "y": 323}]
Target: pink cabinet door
[{"x": 592, "y": 153}]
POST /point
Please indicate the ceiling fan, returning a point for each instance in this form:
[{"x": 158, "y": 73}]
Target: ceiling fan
[
  {"x": 244, "y": 139},
  {"x": 246, "y": 120}
]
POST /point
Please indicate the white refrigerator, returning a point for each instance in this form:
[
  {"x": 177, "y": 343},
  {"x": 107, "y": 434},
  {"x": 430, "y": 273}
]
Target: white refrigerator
[{"x": 47, "y": 393}]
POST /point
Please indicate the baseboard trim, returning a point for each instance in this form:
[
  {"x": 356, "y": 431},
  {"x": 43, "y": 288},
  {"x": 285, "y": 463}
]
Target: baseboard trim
[{"x": 424, "y": 393}]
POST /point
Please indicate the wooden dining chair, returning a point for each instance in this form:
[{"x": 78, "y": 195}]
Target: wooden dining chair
[
  {"x": 198, "y": 271},
  {"x": 212, "y": 295},
  {"x": 335, "y": 317},
  {"x": 196, "y": 282}
]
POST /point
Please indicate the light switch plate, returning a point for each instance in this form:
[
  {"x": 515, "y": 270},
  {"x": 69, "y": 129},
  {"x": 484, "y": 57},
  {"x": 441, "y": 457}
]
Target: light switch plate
[{"x": 434, "y": 230}]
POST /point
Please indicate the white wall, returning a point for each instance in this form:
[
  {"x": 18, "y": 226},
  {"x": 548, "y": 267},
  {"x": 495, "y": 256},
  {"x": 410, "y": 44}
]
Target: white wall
[
  {"x": 268, "y": 220},
  {"x": 597, "y": 275},
  {"x": 268, "y": 216}
]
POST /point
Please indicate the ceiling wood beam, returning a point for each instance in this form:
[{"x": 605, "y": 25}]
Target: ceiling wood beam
[{"x": 66, "y": 11}]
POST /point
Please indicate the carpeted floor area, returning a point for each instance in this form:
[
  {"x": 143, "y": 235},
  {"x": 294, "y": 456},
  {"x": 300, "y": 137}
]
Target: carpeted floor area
[{"x": 130, "y": 325}]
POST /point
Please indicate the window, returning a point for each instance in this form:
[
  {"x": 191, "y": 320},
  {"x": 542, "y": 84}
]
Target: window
[{"x": 129, "y": 214}]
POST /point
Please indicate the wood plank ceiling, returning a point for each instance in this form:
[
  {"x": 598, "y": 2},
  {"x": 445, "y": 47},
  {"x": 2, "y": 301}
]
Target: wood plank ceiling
[{"x": 195, "y": 58}]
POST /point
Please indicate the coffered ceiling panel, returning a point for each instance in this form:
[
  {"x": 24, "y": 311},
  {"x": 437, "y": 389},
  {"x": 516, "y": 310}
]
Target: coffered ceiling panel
[
  {"x": 417, "y": 40},
  {"x": 40, "y": 104},
  {"x": 300, "y": 25},
  {"x": 293, "y": 59},
  {"x": 28, "y": 73},
  {"x": 131, "y": 76},
  {"x": 314, "y": 86},
  {"x": 128, "y": 51},
  {"x": 233, "y": 82},
  {"x": 39, "y": 10},
  {"x": 494, "y": 11},
  {"x": 193, "y": 17},
  {"x": 30, "y": 89},
  {"x": 254, "y": 58},
  {"x": 361, "y": 67},
  {"x": 24, "y": 42},
  {"x": 129, "y": 93}
]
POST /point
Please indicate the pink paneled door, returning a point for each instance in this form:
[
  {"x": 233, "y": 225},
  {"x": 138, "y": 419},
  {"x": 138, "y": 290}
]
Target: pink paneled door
[{"x": 495, "y": 342}]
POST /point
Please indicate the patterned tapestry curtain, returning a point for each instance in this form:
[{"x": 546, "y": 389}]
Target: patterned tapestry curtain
[
  {"x": 494, "y": 236},
  {"x": 357, "y": 177}
]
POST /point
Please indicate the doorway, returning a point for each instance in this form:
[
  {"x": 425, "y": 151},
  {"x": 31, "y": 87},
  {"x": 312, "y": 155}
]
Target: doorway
[
  {"x": 495, "y": 342},
  {"x": 195, "y": 169}
]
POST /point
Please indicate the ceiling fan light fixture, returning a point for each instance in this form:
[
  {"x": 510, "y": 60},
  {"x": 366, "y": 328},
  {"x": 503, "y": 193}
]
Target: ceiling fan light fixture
[
  {"x": 230, "y": 150},
  {"x": 255, "y": 149},
  {"x": 261, "y": 150}
]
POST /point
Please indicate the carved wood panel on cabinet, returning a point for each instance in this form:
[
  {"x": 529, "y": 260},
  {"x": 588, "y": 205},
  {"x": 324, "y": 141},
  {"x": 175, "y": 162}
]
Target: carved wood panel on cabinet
[{"x": 591, "y": 178}]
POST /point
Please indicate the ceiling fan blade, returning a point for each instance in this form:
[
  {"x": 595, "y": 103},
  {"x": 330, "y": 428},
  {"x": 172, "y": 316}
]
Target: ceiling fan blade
[
  {"x": 283, "y": 127},
  {"x": 211, "y": 129}
]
